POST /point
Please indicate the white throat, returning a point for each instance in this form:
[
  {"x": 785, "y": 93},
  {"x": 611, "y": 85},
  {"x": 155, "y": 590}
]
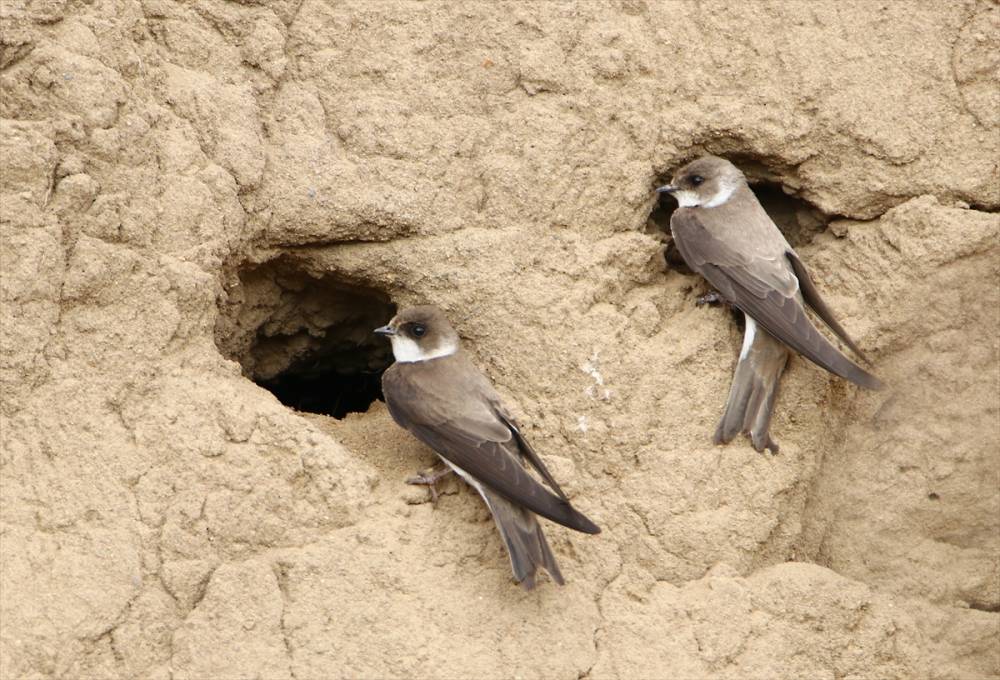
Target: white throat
[
  {"x": 407, "y": 351},
  {"x": 689, "y": 199},
  {"x": 724, "y": 193}
]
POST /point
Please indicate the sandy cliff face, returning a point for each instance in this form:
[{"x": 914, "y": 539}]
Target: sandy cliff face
[{"x": 198, "y": 195}]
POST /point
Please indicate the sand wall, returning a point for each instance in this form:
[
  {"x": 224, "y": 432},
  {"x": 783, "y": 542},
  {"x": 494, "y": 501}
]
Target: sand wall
[{"x": 199, "y": 193}]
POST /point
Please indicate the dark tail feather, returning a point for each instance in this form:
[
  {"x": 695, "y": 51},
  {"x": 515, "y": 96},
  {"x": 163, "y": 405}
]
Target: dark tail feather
[
  {"x": 526, "y": 544},
  {"x": 753, "y": 392}
]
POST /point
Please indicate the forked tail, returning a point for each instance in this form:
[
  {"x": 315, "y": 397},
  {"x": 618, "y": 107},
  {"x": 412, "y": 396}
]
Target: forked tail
[
  {"x": 754, "y": 389},
  {"x": 522, "y": 534}
]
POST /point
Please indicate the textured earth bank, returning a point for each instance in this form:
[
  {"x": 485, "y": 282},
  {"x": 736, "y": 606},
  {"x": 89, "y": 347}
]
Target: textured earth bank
[{"x": 199, "y": 193}]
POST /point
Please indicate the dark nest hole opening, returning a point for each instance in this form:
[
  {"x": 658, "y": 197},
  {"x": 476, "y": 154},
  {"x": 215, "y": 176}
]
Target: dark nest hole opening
[
  {"x": 307, "y": 337},
  {"x": 799, "y": 220}
]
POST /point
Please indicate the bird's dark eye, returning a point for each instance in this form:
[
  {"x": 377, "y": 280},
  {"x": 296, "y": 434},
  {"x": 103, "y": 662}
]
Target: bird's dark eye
[
  {"x": 697, "y": 179},
  {"x": 418, "y": 330}
]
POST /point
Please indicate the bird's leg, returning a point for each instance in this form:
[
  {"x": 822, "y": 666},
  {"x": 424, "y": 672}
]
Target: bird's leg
[
  {"x": 429, "y": 478},
  {"x": 712, "y": 297}
]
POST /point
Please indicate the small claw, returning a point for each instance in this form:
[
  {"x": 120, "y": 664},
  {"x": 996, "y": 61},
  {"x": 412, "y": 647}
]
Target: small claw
[
  {"x": 430, "y": 478},
  {"x": 712, "y": 297}
]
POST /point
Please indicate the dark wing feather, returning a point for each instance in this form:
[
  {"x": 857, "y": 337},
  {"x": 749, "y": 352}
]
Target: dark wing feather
[
  {"x": 812, "y": 297},
  {"x": 528, "y": 453},
  {"x": 757, "y": 287},
  {"x": 468, "y": 433}
]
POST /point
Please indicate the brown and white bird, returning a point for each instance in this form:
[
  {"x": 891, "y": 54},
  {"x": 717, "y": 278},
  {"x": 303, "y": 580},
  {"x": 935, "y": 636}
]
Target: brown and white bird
[
  {"x": 436, "y": 392},
  {"x": 724, "y": 234}
]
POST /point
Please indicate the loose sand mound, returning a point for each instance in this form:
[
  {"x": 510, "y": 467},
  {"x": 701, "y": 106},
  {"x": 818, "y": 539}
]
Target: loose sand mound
[{"x": 200, "y": 195}]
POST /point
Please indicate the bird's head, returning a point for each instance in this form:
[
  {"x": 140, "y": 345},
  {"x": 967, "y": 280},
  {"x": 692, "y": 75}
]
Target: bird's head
[
  {"x": 420, "y": 334},
  {"x": 707, "y": 182}
]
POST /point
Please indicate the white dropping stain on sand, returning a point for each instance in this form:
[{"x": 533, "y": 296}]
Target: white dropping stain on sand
[
  {"x": 592, "y": 368},
  {"x": 581, "y": 424}
]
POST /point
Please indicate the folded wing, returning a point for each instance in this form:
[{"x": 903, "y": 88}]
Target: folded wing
[
  {"x": 767, "y": 290},
  {"x": 468, "y": 432}
]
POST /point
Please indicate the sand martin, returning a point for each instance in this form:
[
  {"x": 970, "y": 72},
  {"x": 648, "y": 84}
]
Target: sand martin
[
  {"x": 724, "y": 234},
  {"x": 437, "y": 393}
]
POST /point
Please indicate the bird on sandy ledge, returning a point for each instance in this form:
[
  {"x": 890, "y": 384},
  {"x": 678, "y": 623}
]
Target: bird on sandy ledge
[
  {"x": 437, "y": 393},
  {"x": 724, "y": 234}
]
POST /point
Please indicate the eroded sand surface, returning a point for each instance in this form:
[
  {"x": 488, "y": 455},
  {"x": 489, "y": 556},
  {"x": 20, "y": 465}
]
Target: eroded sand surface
[{"x": 180, "y": 178}]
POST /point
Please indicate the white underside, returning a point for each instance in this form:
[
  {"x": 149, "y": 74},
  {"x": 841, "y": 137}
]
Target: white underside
[
  {"x": 479, "y": 488},
  {"x": 748, "y": 337},
  {"x": 463, "y": 474},
  {"x": 407, "y": 351},
  {"x": 472, "y": 481}
]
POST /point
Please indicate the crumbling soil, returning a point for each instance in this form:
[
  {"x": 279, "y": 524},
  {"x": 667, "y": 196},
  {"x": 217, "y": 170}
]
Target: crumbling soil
[{"x": 200, "y": 199}]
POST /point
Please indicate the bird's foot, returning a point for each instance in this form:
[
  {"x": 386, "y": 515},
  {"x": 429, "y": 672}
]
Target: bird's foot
[
  {"x": 712, "y": 297},
  {"x": 430, "y": 478},
  {"x": 762, "y": 442}
]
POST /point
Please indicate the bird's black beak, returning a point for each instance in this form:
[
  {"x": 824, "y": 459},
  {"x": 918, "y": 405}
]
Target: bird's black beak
[
  {"x": 666, "y": 189},
  {"x": 385, "y": 330}
]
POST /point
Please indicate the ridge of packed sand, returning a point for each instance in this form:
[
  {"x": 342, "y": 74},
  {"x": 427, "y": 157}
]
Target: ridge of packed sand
[{"x": 195, "y": 194}]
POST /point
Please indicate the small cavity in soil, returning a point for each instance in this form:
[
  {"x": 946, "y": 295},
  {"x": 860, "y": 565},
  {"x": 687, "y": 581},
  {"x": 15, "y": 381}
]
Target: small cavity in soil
[{"x": 307, "y": 338}]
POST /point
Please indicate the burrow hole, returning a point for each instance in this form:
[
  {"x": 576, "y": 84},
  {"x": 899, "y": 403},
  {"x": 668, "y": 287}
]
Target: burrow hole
[
  {"x": 799, "y": 220},
  {"x": 307, "y": 338}
]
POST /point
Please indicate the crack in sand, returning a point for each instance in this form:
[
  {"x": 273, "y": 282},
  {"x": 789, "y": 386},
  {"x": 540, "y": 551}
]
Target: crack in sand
[{"x": 281, "y": 578}]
